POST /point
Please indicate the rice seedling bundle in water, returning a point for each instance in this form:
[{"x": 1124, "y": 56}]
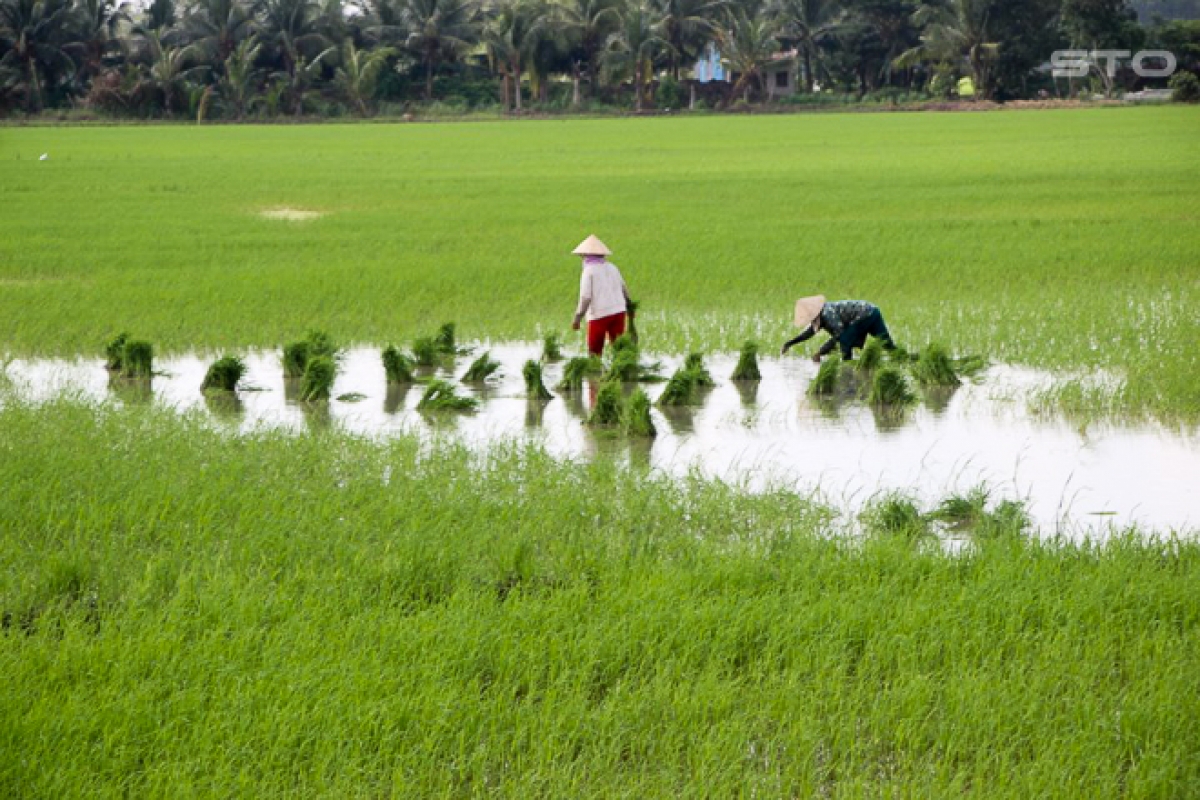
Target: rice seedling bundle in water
[
  {"x": 826, "y": 381},
  {"x": 890, "y": 389},
  {"x": 534, "y": 387},
  {"x": 137, "y": 360},
  {"x": 872, "y": 356},
  {"x": 297, "y": 354},
  {"x": 440, "y": 396},
  {"x": 609, "y": 402},
  {"x": 636, "y": 418},
  {"x": 397, "y": 366},
  {"x": 445, "y": 340},
  {"x": 623, "y": 343},
  {"x": 747, "y": 365},
  {"x": 114, "y": 352},
  {"x": 694, "y": 364},
  {"x": 425, "y": 351},
  {"x": 934, "y": 368},
  {"x": 223, "y": 375},
  {"x": 317, "y": 382},
  {"x": 552, "y": 348},
  {"x": 680, "y": 389},
  {"x": 576, "y": 370},
  {"x": 481, "y": 369}
]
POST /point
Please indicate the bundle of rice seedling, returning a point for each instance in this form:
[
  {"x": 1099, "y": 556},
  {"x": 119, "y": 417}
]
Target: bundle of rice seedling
[
  {"x": 426, "y": 352},
  {"x": 680, "y": 389},
  {"x": 963, "y": 510},
  {"x": 223, "y": 375},
  {"x": 890, "y": 388},
  {"x": 440, "y": 396},
  {"x": 552, "y": 348},
  {"x": 445, "y": 339},
  {"x": 694, "y": 364},
  {"x": 317, "y": 382},
  {"x": 534, "y": 387},
  {"x": 609, "y": 403},
  {"x": 481, "y": 369},
  {"x": 397, "y": 366},
  {"x": 872, "y": 356},
  {"x": 625, "y": 366},
  {"x": 636, "y": 416},
  {"x": 826, "y": 381},
  {"x": 631, "y": 316},
  {"x": 747, "y": 365},
  {"x": 894, "y": 514},
  {"x": 576, "y": 370},
  {"x": 137, "y": 359},
  {"x": 297, "y": 354},
  {"x": 114, "y": 352},
  {"x": 934, "y": 368},
  {"x": 624, "y": 343},
  {"x": 321, "y": 344}
]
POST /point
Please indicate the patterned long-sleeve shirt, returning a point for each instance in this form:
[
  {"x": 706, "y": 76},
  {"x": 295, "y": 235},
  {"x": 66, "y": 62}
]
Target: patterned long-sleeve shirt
[{"x": 834, "y": 319}]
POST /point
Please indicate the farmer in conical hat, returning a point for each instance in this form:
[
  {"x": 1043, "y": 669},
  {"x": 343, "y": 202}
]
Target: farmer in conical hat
[
  {"x": 848, "y": 323},
  {"x": 603, "y": 298}
]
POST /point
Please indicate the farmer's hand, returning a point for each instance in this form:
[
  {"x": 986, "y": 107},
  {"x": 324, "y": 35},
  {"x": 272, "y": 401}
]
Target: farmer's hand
[
  {"x": 575, "y": 325},
  {"x": 817, "y": 358},
  {"x": 783, "y": 350}
]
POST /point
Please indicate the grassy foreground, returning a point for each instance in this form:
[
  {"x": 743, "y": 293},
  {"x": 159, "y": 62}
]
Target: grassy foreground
[
  {"x": 1065, "y": 239},
  {"x": 192, "y": 614}
]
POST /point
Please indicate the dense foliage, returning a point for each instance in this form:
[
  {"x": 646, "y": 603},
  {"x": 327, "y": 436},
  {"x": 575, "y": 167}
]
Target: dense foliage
[{"x": 234, "y": 59}]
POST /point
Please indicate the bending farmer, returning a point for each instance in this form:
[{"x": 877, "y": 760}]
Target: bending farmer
[
  {"x": 603, "y": 297},
  {"x": 848, "y": 323}
]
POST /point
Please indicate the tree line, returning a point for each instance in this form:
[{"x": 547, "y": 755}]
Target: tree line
[{"x": 236, "y": 58}]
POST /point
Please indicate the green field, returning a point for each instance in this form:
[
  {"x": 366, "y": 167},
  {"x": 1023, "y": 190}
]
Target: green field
[
  {"x": 188, "y": 613},
  {"x": 1065, "y": 239}
]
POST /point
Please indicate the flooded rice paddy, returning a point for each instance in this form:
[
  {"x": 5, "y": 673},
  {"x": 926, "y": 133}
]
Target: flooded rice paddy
[{"x": 1073, "y": 478}]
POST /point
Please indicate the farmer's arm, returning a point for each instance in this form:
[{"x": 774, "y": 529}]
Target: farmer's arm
[
  {"x": 585, "y": 298},
  {"x": 827, "y": 348},
  {"x": 804, "y": 337}
]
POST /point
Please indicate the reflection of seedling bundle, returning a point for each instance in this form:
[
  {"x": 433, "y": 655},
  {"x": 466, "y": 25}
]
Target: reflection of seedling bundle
[
  {"x": 481, "y": 369},
  {"x": 607, "y": 410},
  {"x": 130, "y": 358},
  {"x": 297, "y": 355},
  {"x": 576, "y": 370},
  {"x": 825, "y": 384},
  {"x": 440, "y": 396},
  {"x": 552, "y": 349},
  {"x": 636, "y": 417},
  {"x": 890, "y": 389},
  {"x": 534, "y": 387},
  {"x": 223, "y": 375},
  {"x": 397, "y": 366},
  {"x": 317, "y": 382},
  {"x": 747, "y": 365}
]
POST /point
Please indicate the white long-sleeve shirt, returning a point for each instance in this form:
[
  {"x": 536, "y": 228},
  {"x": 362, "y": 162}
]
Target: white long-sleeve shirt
[{"x": 602, "y": 291}]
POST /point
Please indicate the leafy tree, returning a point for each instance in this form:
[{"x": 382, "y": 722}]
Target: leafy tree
[
  {"x": 358, "y": 74},
  {"x": 634, "y": 46},
  {"x": 238, "y": 83},
  {"x": 748, "y": 43},
  {"x": 687, "y": 26},
  {"x": 809, "y": 25},
  {"x": 585, "y": 26},
  {"x": 35, "y": 39},
  {"x": 439, "y": 31},
  {"x": 217, "y": 27},
  {"x": 957, "y": 31}
]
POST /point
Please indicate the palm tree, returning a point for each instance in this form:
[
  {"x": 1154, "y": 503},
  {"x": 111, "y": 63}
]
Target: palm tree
[
  {"x": 688, "y": 26},
  {"x": 748, "y": 43},
  {"x": 954, "y": 31},
  {"x": 358, "y": 73},
  {"x": 585, "y": 25},
  {"x": 290, "y": 26},
  {"x": 217, "y": 27},
  {"x": 634, "y": 46},
  {"x": 170, "y": 68},
  {"x": 97, "y": 23},
  {"x": 439, "y": 30},
  {"x": 237, "y": 84},
  {"x": 159, "y": 16},
  {"x": 35, "y": 38},
  {"x": 808, "y": 23},
  {"x": 510, "y": 36}
]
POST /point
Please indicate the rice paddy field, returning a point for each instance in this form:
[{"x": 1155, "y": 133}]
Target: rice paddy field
[{"x": 191, "y": 609}]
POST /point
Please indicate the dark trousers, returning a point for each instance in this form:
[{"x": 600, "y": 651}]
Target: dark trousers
[{"x": 856, "y": 335}]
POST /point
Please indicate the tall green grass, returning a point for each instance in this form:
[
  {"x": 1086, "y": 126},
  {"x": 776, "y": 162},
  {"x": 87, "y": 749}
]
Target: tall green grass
[{"x": 327, "y": 615}]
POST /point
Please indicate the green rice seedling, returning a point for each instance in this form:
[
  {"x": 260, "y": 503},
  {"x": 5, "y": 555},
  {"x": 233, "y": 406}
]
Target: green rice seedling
[
  {"x": 891, "y": 389},
  {"x": 535, "y": 389},
  {"x": 899, "y": 355},
  {"x": 440, "y": 396},
  {"x": 1008, "y": 518},
  {"x": 635, "y": 418},
  {"x": 137, "y": 360},
  {"x": 426, "y": 352},
  {"x": 747, "y": 364},
  {"x": 934, "y": 368},
  {"x": 609, "y": 404},
  {"x": 625, "y": 366},
  {"x": 317, "y": 382},
  {"x": 826, "y": 381},
  {"x": 295, "y": 359},
  {"x": 445, "y": 340},
  {"x": 894, "y": 514},
  {"x": 481, "y": 369},
  {"x": 963, "y": 510},
  {"x": 694, "y": 364},
  {"x": 624, "y": 343},
  {"x": 224, "y": 374},
  {"x": 397, "y": 366},
  {"x": 576, "y": 370},
  {"x": 871, "y": 356},
  {"x": 680, "y": 389},
  {"x": 552, "y": 348},
  {"x": 114, "y": 352},
  {"x": 321, "y": 344},
  {"x": 969, "y": 366}
]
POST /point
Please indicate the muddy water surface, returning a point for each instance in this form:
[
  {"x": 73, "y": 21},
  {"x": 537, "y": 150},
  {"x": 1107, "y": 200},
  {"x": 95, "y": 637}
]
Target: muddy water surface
[{"x": 1073, "y": 478}]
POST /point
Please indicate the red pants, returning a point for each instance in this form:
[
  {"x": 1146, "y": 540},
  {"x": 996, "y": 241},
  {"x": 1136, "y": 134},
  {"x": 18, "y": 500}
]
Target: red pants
[{"x": 610, "y": 326}]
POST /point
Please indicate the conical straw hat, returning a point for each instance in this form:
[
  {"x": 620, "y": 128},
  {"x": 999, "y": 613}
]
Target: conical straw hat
[
  {"x": 592, "y": 246},
  {"x": 808, "y": 309}
]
